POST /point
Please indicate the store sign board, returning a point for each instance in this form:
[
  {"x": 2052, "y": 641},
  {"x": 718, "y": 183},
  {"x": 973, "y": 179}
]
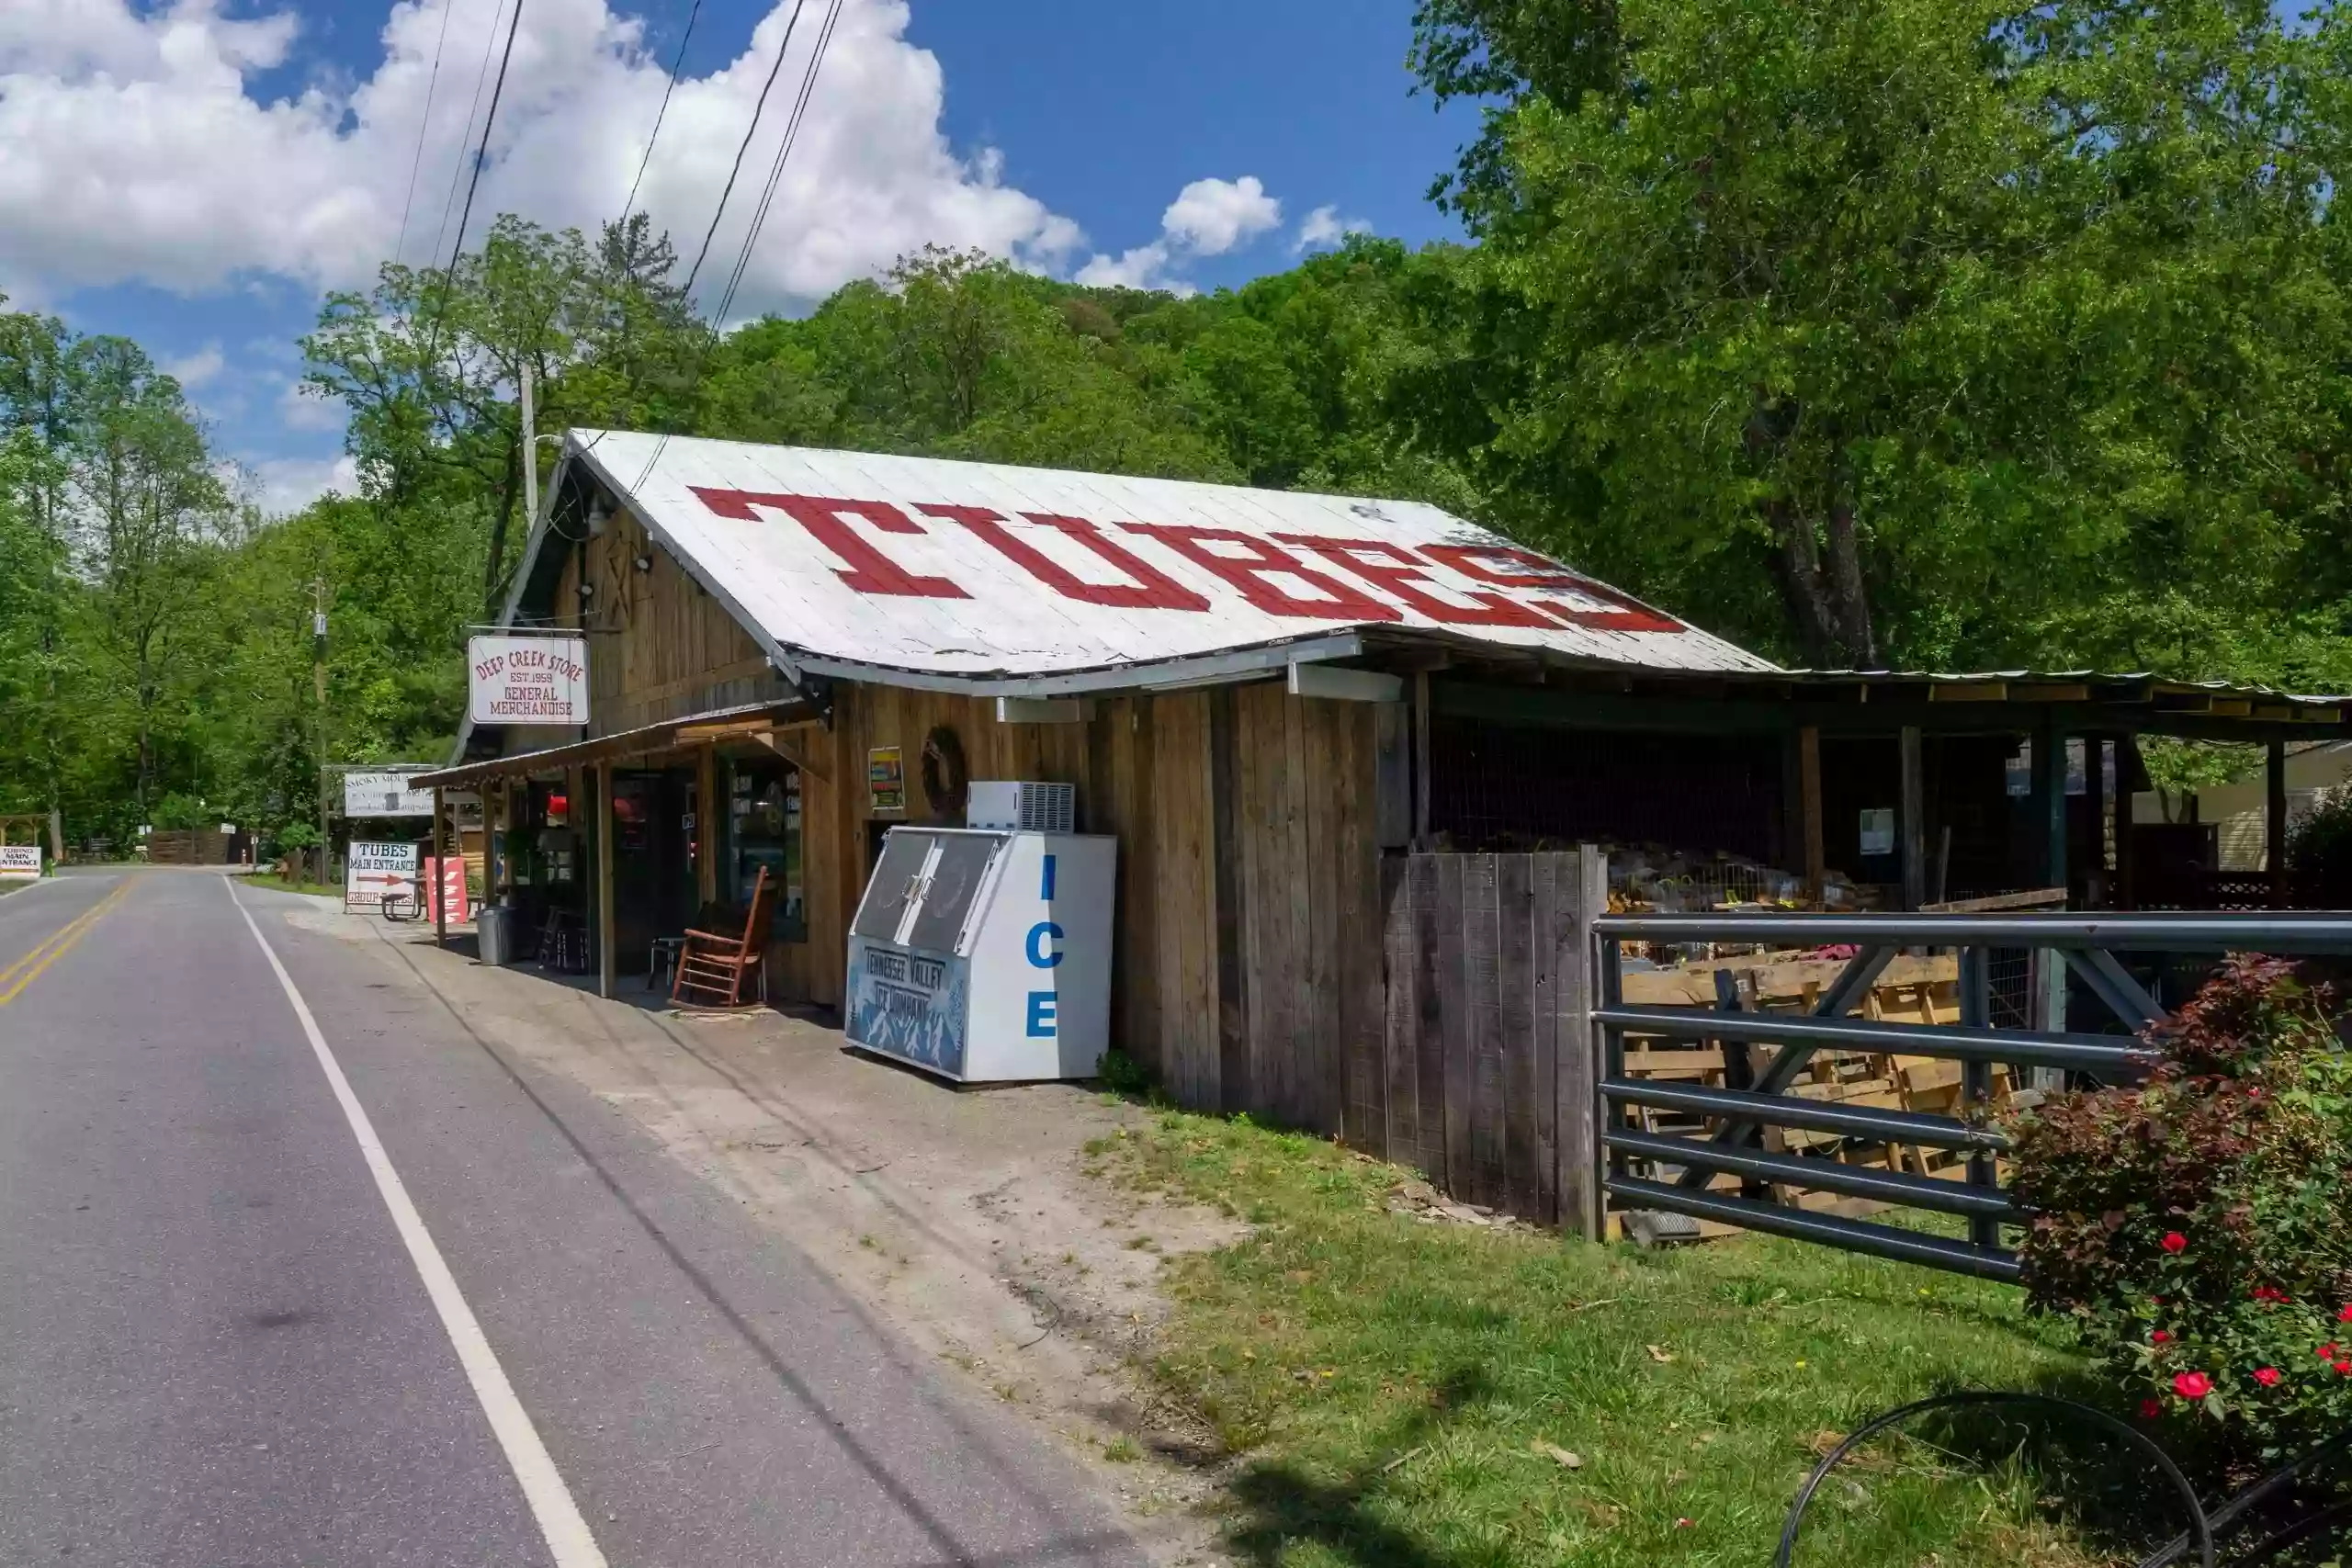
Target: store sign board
[
  {"x": 20, "y": 861},
  {"x": 528, "y": 680},
  {"x": 385, "y": 792},
  {"x": 885, "y": 779},
  {"x": 372, "y": 871}
]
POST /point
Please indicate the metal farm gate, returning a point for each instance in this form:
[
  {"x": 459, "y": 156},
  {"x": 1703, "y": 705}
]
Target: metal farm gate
[
  {"x": 1766, "y": 1098},
  {"x": 1505, "y": 1054}
]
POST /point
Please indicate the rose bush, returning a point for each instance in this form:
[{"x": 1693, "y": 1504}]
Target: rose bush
[{"x": 2198, "y": 1226}]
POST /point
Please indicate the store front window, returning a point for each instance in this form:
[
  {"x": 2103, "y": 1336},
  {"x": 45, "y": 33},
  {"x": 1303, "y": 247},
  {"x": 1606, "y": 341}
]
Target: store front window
[{"x": 764, "y": 830}]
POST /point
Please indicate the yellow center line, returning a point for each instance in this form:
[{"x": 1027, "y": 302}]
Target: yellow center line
[{"x": 25, "y": 970}]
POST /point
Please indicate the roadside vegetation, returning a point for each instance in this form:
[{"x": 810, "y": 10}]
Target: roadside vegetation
[{"x": 1395, "y": 1392}]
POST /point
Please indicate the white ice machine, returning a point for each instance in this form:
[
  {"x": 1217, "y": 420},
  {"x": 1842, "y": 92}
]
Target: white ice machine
[{"x": 984, "y": 955}]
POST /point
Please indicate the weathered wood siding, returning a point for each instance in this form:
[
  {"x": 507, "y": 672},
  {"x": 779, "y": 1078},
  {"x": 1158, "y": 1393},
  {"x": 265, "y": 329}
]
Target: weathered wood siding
[
  {"x": 659, "y": 647},
  {"x": 1307, "y": 900},
  {"x": 1487, "y": 1049}
]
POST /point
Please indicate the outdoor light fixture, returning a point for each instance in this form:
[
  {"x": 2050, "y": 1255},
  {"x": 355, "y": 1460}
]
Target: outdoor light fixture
[
  {"x": 645, "y": 563},
  {"x": 587, "y": 591}
]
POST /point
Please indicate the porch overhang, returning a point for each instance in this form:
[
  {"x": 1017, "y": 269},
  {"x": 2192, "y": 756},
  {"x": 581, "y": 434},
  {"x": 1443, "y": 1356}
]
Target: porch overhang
[{"x": 646, "y": 740}]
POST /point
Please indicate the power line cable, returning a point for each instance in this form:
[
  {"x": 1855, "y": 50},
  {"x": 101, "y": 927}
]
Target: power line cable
[
  {"x": 482, "y": 155},
  {"x": 423, "y": 125},
  {"x": 809, "y": 78},
  {"x": 670, "y": 86},
  {"x": 466, "y": 137},
  {"x": 752, "y": 130},
  {"x": 782, "y": 152}
]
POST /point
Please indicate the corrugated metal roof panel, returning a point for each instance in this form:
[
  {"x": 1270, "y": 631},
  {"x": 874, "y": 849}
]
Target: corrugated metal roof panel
[{"x": 983, "y": 570}]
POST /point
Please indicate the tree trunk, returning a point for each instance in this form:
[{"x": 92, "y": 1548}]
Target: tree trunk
[
  {"x": 1853, "y": 602},
  {"x": 1801, "y": 582}
]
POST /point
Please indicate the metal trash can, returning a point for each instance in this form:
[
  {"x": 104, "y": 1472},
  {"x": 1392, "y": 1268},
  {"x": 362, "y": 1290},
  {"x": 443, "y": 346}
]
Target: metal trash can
[{"x": 494, "y": 930}]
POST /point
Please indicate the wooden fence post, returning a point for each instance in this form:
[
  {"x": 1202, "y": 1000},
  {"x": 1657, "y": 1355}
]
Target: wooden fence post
[{"x": 1575, "y": 1067}]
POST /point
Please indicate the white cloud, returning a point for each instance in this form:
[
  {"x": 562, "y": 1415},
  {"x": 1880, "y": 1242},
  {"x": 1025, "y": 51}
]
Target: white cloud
[
  {"x": 197, "y": 368},
  {"x": 1146, "y": 267},
  {"x": 299, "y": 408},
  {"x": 1324, "y": 226},
  {"x": 1211, "y": 217},
  {"x": 1208, "y": 217},
  {"x": 131, "y": 150},
  {"x": 283, "y": 486}
]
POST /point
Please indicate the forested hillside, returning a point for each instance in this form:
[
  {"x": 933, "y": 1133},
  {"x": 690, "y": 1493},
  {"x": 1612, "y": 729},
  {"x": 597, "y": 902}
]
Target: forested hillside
[{"x": 1865, "y": 332}]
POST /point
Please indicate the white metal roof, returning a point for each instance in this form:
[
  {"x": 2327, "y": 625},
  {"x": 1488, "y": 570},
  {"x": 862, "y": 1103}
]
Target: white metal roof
[{"x": 931, "y": 573}]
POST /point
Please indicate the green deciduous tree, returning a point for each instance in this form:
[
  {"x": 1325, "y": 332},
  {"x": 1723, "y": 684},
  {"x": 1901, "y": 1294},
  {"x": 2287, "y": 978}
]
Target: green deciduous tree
[{"x": 1901, "y": 330}]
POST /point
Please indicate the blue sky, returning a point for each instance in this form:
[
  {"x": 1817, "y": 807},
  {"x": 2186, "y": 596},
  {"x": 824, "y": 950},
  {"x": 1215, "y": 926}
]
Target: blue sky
[{"x": 1099, "y": 117}]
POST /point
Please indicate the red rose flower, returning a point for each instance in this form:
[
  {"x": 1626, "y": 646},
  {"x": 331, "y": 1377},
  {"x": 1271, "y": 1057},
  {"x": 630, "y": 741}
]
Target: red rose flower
[
  {"x": 2345, "y": 1315},
  {"x": 2327, "y": 1351},
  {"x": 2161, "y": 1337},
  {"x": 2344, "y": 1366},
  {"x": 2176, "y": 1242},
  {"x": 2150, "y": 1409},
  {"x": 2267, "y": 1376},
  {"x": 2192, "y": 1385}
]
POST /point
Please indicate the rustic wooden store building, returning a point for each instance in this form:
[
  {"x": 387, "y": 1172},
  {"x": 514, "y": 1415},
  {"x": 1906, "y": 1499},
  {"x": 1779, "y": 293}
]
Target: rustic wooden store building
[{"x": 1268, "y": 698}]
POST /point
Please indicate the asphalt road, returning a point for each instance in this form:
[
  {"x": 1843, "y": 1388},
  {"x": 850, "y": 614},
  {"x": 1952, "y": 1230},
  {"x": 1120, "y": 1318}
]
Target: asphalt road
[{"x": 219, "y": 1346}]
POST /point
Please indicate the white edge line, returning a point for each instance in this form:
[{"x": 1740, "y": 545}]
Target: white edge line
[{"x": 559, "y": 1517}]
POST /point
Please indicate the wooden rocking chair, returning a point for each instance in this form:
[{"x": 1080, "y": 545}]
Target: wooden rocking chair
[{"x": 713, "y": 969}]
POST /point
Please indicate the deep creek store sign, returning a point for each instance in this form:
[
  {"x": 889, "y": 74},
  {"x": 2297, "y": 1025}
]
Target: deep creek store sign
[{"x": 529, "y": 680}]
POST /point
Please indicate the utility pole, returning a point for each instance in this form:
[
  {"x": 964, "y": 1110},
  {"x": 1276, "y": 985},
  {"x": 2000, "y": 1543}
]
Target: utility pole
[
  {"x": 319, "y": 686},
  {"x": 530, "y": 455}
]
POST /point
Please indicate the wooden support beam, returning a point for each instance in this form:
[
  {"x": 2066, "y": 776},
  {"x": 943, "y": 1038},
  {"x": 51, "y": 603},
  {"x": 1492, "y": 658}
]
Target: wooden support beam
[
  {"x": 2274, "y": 820},
  {"x": 2048, "y": 832},
  {"x": 2127, "y": 769},
  {"x": 607, "y": 959},
  {"x": 1816, "y": 840},
  {"x": 1911, "y": 820},
  {"x": 1975, "y": 692},
  {"x": 708, "y": 809},
  {"x": 1420, "y": 760},
  {"x": 438, "y": 886},
  {"x": 1345, "y": 685},
  {"x": 2052, "y": 691}
]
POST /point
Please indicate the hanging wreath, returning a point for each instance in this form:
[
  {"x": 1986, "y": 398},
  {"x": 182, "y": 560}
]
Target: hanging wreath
[{"x": 947, "y": 778}]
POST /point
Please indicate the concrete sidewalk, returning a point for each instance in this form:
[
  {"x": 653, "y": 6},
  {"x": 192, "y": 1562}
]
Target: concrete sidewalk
[{"x": 962, "y": 1216}]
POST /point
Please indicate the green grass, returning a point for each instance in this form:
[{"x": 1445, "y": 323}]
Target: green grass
[
  {"x": 1396, "y": 1390},
  {"x": 314, "y": 889}
]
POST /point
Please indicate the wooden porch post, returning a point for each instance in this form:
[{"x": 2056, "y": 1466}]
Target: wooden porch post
[
  {"x": 2048, "y": 833},
  {"x": 1421, "y": 759},
  {"x": 608, "y": 960},
  {"x": 2127, "y": 769},
  {"x": 706, "y": 809},
  {"x": 1912, "y": 821},
  {"x": 440, "y": 842},
  {"x": 1816, "y": 845},
  {"x": 2273, "y": 821}
]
